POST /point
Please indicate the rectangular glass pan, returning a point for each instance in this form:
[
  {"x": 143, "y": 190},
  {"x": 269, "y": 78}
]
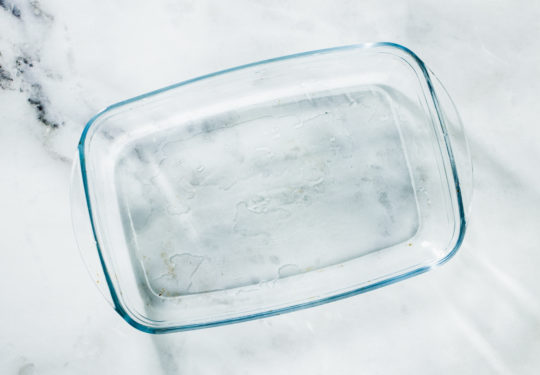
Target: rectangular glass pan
[{"x": 271, "y": 187}]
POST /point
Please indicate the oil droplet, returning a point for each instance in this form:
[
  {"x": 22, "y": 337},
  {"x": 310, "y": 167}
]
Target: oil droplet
[{"x": 288, "y": 270}]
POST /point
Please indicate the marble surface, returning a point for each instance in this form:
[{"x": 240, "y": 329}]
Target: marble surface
[{"x": 60, "y": 62}]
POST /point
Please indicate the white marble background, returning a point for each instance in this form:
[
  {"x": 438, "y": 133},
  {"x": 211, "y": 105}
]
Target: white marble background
[{"x": 61, "y": 61}]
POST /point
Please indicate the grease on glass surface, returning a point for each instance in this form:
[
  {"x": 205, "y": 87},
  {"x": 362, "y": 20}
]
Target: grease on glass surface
[{"x": 266, "y": 192}]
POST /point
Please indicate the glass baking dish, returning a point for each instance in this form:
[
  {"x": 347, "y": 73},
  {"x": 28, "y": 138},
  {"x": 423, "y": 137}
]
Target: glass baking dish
[{"x": 271, "y": 187}]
